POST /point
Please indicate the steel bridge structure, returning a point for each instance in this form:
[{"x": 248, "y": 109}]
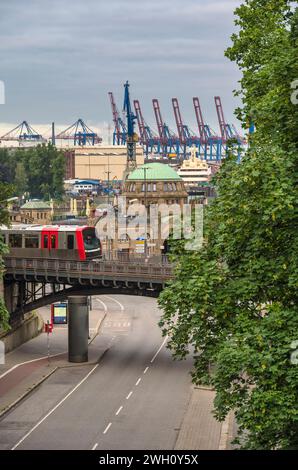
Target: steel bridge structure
[{"x": 31, "y": 283}]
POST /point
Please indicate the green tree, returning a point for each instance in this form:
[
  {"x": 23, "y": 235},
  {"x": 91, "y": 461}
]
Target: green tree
[
  {"x": 21, "y": 179},
  {"x": 45, "y": 168},
  {"x": 236, "y": 299},
  {"x": 6, "y": 191}
]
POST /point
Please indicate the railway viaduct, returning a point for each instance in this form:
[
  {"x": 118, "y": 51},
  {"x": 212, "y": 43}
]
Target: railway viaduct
[{"x": 31, "y": 283}]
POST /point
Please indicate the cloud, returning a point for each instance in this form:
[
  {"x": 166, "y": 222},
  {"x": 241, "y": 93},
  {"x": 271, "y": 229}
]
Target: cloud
[{"x": 60, "y": 58}]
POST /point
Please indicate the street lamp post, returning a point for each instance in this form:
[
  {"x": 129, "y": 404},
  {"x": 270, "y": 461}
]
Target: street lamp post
[{"x": 145, "y": 201}]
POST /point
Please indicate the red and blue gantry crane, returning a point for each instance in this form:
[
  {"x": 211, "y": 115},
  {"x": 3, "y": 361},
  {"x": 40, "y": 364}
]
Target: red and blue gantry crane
[
  {"x": 169, "y": 141},
  {"x": 228, "y": 131},
  {"x": 186, "y": 135},
  {"x": 210, "y": 147},
  {"x": 80, "y": 134},
  {"x": 148, "y": 137},
  {"x": 23, "y": 133},
  {"x": 120, "y": 130}
]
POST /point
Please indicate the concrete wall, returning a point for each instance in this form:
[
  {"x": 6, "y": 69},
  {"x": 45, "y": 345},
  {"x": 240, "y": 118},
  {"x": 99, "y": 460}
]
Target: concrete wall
[{"x": 30, "y": 328}]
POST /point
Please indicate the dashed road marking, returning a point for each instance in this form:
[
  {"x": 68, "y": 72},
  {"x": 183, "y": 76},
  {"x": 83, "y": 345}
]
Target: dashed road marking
[
  {"x": 118, "y": 411},
  {"x": 107, "y": 428},
  {"x": 145, "y": 370},
  {"x": 138, "y": 381},
  {"x": 129, "y": 395},
  {"x": 95, "y": 445}
]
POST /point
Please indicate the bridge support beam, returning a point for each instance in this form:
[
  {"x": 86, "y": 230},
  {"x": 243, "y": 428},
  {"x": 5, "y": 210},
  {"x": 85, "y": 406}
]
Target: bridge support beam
[{"x": 78, "y": 328}]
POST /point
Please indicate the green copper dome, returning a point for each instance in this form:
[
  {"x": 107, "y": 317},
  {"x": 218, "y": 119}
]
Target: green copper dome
[{"x": 154, "y": 172}]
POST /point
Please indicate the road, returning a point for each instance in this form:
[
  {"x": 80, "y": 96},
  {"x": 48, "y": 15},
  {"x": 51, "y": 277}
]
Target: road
[{"x": 134, "y": 398}]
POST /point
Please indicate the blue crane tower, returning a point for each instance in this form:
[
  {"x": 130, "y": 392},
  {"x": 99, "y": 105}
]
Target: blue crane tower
[{"x": 132, "y": 138}]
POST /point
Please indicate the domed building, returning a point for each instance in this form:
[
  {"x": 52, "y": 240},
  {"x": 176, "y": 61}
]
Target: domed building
[{"x": 155, "y": 183}]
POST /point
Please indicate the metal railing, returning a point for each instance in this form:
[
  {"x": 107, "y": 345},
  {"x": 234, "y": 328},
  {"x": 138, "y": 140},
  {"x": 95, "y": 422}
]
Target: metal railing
[{"x": 138, "y": 267}]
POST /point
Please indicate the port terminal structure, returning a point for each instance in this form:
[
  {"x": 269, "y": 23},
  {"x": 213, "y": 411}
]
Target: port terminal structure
[{"x": 170, "y": 144}]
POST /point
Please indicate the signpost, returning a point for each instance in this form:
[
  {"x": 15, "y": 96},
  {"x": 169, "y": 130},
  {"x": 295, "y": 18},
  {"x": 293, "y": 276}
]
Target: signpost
[{"x": 48, "y": 329}]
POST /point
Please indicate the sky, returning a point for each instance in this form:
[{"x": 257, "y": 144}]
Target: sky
[{"x": 60, "y": 58}]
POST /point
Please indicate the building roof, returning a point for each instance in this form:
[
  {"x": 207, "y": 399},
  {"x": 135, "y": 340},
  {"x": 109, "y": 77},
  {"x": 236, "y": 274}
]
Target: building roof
[
  {"x": 155, "y": 172},
  {"x": 36, "y": 204}
]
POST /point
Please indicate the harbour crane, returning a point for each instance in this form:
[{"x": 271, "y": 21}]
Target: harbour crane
[
  {"x": 210, "y": 143},
  {"x": 228, "y": 131},
  {"x": 148, "y": 138},
  {"x": 170, "y": 142},
  {"x": 186, "y": 135},
  {"x": 132, "y": 138},
  {"x": 23, "y": 133},
  {"x": 120, "y": 131},
  {"x": 80, "y": 133}
]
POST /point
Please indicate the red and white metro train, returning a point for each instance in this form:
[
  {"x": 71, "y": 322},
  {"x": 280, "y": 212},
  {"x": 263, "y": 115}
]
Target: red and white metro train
[{"x": 52, "y": 241}]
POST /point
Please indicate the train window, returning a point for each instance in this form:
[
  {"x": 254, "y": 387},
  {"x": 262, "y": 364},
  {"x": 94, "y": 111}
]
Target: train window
[
  {"x": 15, "y": 240},
  {"x": 91, "y": 242},
  {"x": 31, "y": 241},
  {"x": 53, "y": 241},
  {"x": 46, "y": 241},
  {"x": 70, "y": 242}
]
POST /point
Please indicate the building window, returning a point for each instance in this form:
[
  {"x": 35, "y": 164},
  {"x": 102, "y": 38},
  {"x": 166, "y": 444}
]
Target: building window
[
  {"x": 154, "y": 187},
  {"x": 70, "y": 242},
  {"x": 143, "y": 187},
  {"x": 15, "y": 240},
  {"x": 31, "y": 241},
  {"x": 149, "y": 187}
]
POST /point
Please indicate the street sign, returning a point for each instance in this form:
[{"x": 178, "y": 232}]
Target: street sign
[
  {"x": 48, "y": 328},
  {"x": 140, "y": 246},
  {"x": 59, "y": 313}
]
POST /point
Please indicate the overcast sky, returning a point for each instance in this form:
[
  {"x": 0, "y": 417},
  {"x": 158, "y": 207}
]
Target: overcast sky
[{"x": 59, "y": 58}]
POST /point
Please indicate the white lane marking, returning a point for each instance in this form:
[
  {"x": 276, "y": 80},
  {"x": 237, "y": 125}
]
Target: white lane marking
[
  {"x": 117, "y": 302},
  {"x": 145, "y": 370},
  {"x": 107, "y": 428},
  {"x": 28, "y": 362},
  {"x": 158, "y": 351},
  {"x": 95, "y": 445},
  {"x": 118, "y": 411},
  {"x": 129, "y": 395},
  {"x": 103, "y": 304},
  {"x": 138, "y": 381},
  {"x": 55, "y": 408}
]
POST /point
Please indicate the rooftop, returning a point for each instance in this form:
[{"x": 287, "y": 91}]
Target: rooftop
[
  {"x": 36, "y": 204},
  {"x": 154, "y": 172}
]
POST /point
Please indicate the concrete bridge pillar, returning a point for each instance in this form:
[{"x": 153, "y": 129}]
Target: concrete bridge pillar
[{"x": 78, "y": 328}]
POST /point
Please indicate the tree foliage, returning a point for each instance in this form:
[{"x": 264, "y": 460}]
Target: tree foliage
[
  {"x": 37, "y": 170},
  {"x": 235, "y": 300},
  {"x": 6, "y": 191}
]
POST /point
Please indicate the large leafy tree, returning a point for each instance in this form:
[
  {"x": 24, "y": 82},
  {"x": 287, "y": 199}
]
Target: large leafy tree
[
  {"x": 37, "y": 170},
  {"x": 235, "y": 300},
  {"x": 6, "y": 191}
]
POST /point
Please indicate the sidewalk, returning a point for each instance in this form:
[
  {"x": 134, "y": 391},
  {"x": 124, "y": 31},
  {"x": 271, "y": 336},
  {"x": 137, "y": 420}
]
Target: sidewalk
[
  {"x": 28, "y": 366},
  {"x": 200, "y": 430}
]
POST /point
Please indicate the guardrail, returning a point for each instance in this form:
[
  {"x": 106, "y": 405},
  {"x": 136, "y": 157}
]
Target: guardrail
[{"x": 137, "y": 268}]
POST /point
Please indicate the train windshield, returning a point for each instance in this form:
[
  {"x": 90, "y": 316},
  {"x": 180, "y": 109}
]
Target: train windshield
[{"x": 91, "y": 242}]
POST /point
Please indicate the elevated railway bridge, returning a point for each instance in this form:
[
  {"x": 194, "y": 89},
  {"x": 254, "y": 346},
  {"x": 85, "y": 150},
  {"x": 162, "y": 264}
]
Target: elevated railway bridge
[{"x": 30, "y": 283}]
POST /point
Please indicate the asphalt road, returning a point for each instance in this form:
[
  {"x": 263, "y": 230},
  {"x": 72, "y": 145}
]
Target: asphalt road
[{"x": 135, "y": 398}]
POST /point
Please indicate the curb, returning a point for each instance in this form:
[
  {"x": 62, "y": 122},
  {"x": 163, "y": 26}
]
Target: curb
[{"x": 225, "y": 432}]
